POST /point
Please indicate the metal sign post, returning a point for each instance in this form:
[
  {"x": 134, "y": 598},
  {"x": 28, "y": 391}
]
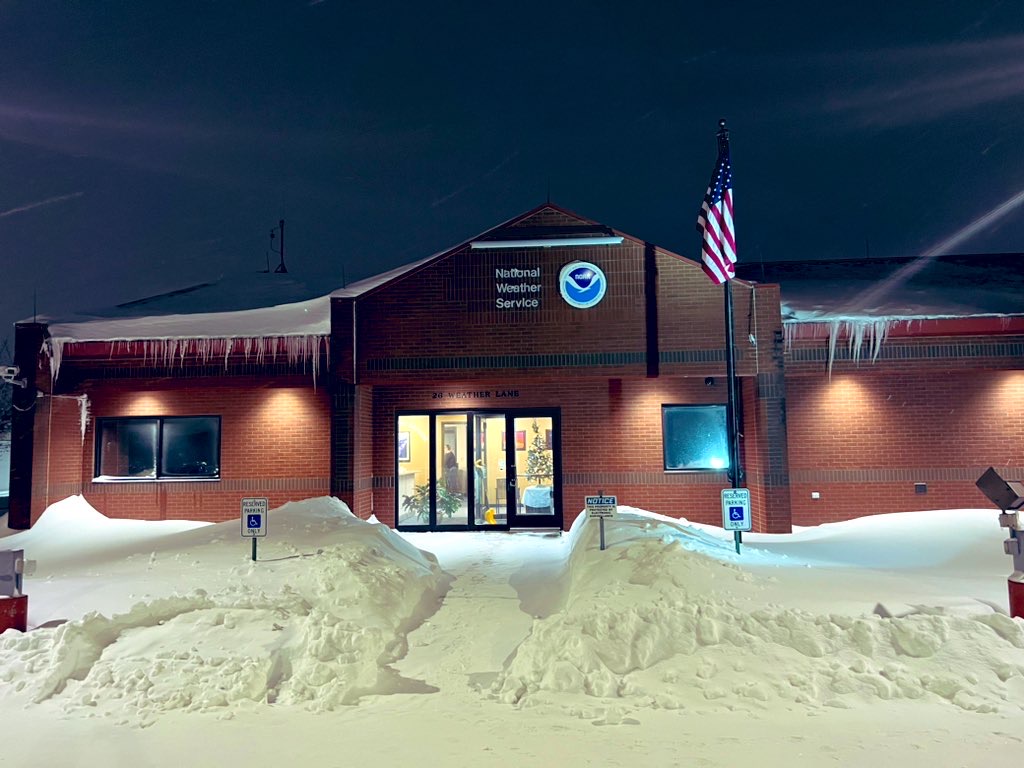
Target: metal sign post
[
  {"x": 736, "y": 513},
  {"x": 601, "y": 506},
  {"x": 254, "y": 520}
]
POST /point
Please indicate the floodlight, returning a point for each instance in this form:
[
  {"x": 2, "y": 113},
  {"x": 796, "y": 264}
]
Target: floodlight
[{"x": 1005, "y": 494}]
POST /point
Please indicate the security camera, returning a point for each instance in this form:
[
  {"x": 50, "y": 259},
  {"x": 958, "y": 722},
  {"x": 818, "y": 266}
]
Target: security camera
[{"x": 9, "y": 374}]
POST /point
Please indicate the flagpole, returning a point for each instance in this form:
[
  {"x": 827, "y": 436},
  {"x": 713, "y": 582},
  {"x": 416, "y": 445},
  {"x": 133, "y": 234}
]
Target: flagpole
[{"x": 731, "y": 408}]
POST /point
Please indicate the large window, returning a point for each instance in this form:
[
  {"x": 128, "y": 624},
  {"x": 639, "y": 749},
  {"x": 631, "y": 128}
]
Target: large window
[
  {"x": 170, "y": 448},
  {"x": 695, "y": 437}
]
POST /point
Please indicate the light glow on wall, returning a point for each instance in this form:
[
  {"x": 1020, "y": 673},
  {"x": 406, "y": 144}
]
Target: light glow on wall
[{"x": 146, "y": 404}]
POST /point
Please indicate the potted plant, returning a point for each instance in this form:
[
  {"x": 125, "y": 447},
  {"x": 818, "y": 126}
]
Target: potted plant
[{"x": 418, "y": 502}]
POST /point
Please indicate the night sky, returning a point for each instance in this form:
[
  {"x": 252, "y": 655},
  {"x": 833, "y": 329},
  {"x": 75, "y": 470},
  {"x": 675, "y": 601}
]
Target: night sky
[{"x": 146, "y": 146}]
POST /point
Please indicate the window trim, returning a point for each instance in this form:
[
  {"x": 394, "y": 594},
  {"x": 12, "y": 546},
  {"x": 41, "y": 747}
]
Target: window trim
[
  {"x": 664, "y": 443},
  {"x": 97, "y": 450}
]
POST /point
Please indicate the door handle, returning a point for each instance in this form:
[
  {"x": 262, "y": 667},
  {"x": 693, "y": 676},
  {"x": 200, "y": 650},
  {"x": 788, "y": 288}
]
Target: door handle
[{"x": 512, "y": 482}]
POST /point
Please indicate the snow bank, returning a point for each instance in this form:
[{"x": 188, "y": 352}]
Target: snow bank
[
  {"x": 665, "y": 619},
  {"x": 72, "y": 532},
  {"x": 313, "y": 628},
  {"x": 668, "y": 617}
]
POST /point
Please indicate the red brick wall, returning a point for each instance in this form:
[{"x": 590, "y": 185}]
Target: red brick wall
[
  {"x": 58, "y": 451},
  {"x": 691, "y": 316},
  {"x": 274, "y": 443},
  {"x": 594, "y": 413},
  {"x": 362, "y": 503},
  {"x": 447, "y": 311},
  {"x": 862, "y": 440}
]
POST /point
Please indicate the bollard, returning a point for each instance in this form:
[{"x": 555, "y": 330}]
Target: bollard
[
  {"x": 1016, "y": 588},
  {"x": 14, "y": 613}
]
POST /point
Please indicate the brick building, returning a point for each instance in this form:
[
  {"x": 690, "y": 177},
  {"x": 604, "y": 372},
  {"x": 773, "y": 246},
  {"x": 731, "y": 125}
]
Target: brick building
[{"x": 497, "y": 383}]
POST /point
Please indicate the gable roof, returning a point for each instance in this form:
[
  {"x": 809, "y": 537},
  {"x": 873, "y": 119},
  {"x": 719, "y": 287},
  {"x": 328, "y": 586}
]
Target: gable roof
[{"x": 267, "y": 304}]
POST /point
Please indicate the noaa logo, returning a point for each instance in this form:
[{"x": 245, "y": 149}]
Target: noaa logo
[{"x": 582, "y": 284}]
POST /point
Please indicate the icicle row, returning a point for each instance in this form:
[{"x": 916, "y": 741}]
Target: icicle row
[
  {"x": 167, "y": 353},
  {"x": 874, "y": 331}
]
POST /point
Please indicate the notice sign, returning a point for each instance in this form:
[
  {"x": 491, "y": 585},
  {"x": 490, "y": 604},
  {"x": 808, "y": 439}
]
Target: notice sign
[
  {"x": 254, "y": 517},
  {"x": 601, "y": 506},
  {"x": 736, "y": 509}
]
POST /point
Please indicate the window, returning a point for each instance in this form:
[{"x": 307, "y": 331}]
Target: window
[
  {"x": 695, "y": 437},
  {"x": 171, "y": 448}
]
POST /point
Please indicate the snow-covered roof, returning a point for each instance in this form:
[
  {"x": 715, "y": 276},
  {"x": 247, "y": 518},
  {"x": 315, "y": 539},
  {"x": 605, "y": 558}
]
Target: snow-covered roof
[
  {"x": 896, "y": 288},
  {"x": 302, "y": 318},
  {"x": 251, "y": 305}
]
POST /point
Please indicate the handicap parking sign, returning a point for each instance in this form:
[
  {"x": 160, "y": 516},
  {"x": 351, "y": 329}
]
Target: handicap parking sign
[
  {"x": 736, "y": 509},
  {"x": 254, "y": 517}
]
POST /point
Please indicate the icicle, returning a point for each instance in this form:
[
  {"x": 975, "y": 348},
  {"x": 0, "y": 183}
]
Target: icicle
[
  {"x": 54, "y": 350},
  {"x": 83, "y": 413},
  {"x": 880, "y": 333},
  {"x": 855, "y": 333},
  {"x": 832, "y": 336}
]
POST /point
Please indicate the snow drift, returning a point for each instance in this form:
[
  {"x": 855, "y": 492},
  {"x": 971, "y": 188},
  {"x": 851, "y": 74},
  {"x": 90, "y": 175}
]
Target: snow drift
[
  {"x": 315, "y": 627},
  {"x": 667, "y": 618}
]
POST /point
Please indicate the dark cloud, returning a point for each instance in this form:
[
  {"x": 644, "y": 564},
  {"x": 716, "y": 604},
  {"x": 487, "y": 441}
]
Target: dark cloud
[{"x": 148, "y": 146}]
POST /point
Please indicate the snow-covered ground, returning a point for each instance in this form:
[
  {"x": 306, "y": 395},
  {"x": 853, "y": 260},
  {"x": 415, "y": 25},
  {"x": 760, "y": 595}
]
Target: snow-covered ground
[{"x": 882, "y": 640}]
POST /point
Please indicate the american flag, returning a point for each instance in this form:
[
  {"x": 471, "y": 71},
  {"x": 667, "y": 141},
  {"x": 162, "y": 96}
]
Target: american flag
[{"x": 714, "y": 222}]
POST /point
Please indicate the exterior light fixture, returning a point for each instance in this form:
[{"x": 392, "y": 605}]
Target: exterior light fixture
[{"x": 545, "y": 243}]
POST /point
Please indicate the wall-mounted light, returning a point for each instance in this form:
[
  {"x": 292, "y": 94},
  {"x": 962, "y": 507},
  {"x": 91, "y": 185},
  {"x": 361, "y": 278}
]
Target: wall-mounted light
[
  {"x": 545, "y": 243},
  {"x": 709, "y": 381}
]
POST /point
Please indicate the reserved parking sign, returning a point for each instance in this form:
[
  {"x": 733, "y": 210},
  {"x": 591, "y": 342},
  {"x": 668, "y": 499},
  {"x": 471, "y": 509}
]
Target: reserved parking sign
[
  {"x": 254, "y": 517},
  {"x": 736, "y": 509}
]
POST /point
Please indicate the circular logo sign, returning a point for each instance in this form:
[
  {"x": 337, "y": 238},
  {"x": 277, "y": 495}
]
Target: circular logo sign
[{"x": 582, "y": 284}]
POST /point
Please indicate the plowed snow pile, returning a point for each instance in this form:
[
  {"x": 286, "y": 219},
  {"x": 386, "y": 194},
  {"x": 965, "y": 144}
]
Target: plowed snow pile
[
  {"x": 666, "y": 618},
  {"x": 317, "y": 624},
  {"x": 668, "y": 621}
]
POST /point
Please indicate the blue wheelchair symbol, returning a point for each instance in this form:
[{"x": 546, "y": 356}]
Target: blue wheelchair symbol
[
  {"x": 736, "y": 514},
  {"x": 254, "y": 521}
]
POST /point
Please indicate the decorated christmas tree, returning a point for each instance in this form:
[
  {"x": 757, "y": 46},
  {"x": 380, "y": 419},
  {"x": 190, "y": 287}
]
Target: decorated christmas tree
[{"x": 539, "y": 463}]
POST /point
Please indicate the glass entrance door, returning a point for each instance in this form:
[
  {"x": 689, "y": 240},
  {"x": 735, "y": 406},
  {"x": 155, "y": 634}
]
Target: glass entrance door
[
  {"x": 535, "y": 498},
  {"x": 478, "y": 470},
  {"x": 490, "y": 489}
]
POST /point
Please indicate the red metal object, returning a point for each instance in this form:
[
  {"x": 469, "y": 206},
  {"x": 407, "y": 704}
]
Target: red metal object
[
  {"x": 1016, "y": 596},
  {"x": 14, "y": 612}
]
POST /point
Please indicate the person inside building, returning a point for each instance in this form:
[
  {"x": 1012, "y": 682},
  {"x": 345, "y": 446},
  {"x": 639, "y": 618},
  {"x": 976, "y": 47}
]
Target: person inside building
[{"x": 451, "y": 469}]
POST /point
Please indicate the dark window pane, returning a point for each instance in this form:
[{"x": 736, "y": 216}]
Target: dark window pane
[
  {"x": 128, "y": 448},
  {"x": 695, "y": 437},
  {"x": 191, "y": 447}
]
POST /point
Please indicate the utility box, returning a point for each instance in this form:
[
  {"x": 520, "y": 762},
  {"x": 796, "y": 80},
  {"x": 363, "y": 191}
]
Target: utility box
[
  {"x": 13, "y": 604},
  {"x": 12, "y": 566}
]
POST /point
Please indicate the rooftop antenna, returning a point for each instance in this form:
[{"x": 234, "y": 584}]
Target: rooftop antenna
[{"x": 280, "y": 268}]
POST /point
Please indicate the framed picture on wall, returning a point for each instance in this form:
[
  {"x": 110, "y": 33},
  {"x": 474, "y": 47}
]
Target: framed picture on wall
[
  {"x": 547, "y": 440},
  {"x": 403, "y": 446},
  {"x": 521, "y": 440}
]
